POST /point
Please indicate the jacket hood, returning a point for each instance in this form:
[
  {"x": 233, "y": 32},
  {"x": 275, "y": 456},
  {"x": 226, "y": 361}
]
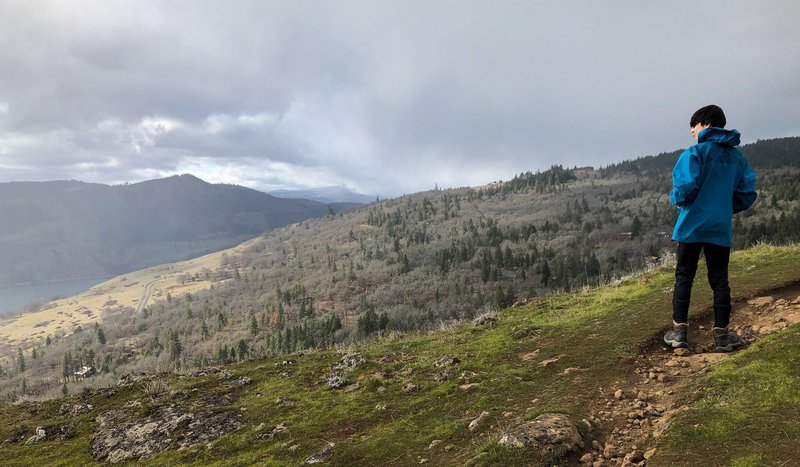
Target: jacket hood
[{"x": 719, "y": 135}]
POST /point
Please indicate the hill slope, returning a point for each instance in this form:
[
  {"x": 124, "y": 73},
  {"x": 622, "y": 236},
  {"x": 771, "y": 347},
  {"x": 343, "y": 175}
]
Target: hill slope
[
  {"x": 568, "y": 353},
  {"x": 68, "y": 229},
  {"x": 406, "y": 264}
]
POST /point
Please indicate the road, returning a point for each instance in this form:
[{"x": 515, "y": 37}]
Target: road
[{"x": 148, "y": 289}]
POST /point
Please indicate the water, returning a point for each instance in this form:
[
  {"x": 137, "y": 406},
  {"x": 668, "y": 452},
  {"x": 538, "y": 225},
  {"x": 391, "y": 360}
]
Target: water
[{"x": 17, "y": 298}]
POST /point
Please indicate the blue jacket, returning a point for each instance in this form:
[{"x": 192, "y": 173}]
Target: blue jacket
[{"x": 711, "y": 181}]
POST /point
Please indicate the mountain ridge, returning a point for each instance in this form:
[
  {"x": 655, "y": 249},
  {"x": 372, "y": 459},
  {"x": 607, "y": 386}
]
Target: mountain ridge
[{"x": 69, "y": 229}]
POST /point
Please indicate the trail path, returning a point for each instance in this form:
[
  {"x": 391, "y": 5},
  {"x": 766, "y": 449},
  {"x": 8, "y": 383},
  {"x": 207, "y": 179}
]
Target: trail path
[{"x": 637, "y": 413}]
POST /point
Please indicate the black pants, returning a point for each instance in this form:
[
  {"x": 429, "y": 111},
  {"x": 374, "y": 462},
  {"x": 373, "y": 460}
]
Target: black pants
[{"x": 717, "y": 263}]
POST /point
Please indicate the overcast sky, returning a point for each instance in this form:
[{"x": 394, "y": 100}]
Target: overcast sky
[{"x": 380, "y": 97}]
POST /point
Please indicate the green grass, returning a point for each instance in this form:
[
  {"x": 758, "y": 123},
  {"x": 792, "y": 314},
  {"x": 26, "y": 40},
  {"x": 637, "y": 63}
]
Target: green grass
[{"x": 379, "y": 424}]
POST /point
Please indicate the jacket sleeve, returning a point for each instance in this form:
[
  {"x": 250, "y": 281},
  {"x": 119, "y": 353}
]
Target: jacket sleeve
[
  {"x": 684, "y": 178},
  {"x": 745, "y": 193}
]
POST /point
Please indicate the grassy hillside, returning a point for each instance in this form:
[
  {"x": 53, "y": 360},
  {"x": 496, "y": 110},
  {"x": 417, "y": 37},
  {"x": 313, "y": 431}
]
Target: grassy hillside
[
  {"x": 403, "y": 265},
  {"x": 591, "y": 340}
]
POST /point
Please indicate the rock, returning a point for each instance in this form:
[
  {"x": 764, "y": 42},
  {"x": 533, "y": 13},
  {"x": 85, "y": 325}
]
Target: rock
[
  {"x": 444, "y": 375},
  {"x": 335, "y": 380},
  {"x": 271, "y": 434},
  {"x": 610, "y": 451},
  {"x": 169, "y": 428},
  {"x": 634, "y": 456},
  {"x": 447, "y": 360},
  {"x": 476, "y": 424},
  {"x": 548, "y": 434},
  {"x": 468, "y": 386},
  {"x": 435, "y": 443},
  {"x": 682, "y": 352},
  {"x": 549, "y": 361},
  {"x": 285, "y": 402},
  {"x": 243, "y": 381},
  {"x": 349, "y": 362},
  {"x": 75, "y": 410},
  {"x": 322, "y": 456},
  {"x": 130, "y": 378},
  {"x": 51, "y": 432},
  {"x": 410, "y": 388},
  {"x": 586, "y": 458},
  {"x": 662, "y": 378},
  {"x": 642, "y": 396},
  {"x": 760, "y": 301},
  {"x": 486, "y": 318},
  {"x": 619, "y": 394},
  {"x": 650, "y": 453},
  {"x": 596, "y": 445},
  {"x": 352, "y": 387}
]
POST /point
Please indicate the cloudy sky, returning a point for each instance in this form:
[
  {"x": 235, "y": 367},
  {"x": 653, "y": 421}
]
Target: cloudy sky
[{"x": 379, "y": 97}]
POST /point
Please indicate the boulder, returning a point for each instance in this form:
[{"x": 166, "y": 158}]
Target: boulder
[
  {"x": 486, "y": 318},
  {"x": 170, "y": 427},
  {"x": 51, "y": 432},
  {"x": 349, "y": 362},
  {"x": 550, "y": 434}
]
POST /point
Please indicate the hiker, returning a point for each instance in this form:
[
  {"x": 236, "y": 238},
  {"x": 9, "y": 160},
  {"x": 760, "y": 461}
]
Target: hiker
[{"x": 711, "y": 182}]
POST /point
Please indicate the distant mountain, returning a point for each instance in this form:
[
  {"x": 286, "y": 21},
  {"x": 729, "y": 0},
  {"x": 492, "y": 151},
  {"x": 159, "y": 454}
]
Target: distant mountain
[
  {"x": 331, "y": 194},
  {"x": 69, "y": 229}
]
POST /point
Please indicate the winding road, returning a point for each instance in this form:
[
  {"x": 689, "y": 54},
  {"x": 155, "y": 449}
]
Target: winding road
[{"x": 148, "y": 289}]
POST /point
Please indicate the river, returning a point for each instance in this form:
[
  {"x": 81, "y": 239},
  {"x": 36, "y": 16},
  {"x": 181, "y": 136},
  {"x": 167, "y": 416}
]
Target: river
[{"x": 16, "y": 298}]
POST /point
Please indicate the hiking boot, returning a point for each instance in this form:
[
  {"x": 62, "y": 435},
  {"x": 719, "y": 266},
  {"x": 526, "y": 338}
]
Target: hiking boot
[
  {"x": 677, "y": 337},
  {"x": 726, "y": 341}
]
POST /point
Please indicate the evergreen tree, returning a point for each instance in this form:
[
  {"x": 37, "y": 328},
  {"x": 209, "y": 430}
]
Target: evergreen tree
[
  {"x": 243, "y": 350},
  {"x": 20, "y": 361},
  {"x": 636, "y": 227},
  {"x": 253, "y": 325},
  {"x": 175, "y": 347},
  {"x": 98, "y": 332}
]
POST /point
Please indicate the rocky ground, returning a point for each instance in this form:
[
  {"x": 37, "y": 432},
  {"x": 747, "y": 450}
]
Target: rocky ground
[{"x": 637, "y": 413}]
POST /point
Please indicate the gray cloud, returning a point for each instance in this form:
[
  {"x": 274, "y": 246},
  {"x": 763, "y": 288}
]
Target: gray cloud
[{"x": 381, "y": 97}]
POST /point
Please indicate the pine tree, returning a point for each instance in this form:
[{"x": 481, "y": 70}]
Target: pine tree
[
  {"x": 98, "y": 331},
  {"x": 243, "y": 350},
  {"x": 253, "y": 325},
  {"x": 175, "y": 347},
  {"x": 20, "y": 361}
]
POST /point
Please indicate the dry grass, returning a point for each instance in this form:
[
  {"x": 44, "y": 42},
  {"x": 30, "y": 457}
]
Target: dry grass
[
  {"x": 124, "y": 292},
  {"x": 154, "y": 388}
]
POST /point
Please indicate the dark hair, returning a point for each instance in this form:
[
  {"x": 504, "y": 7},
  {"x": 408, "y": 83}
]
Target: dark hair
[{"x": 709, "y": 115}]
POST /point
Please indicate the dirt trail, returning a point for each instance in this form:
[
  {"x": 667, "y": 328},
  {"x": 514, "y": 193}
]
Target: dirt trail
[{"x": 636, "y": 414}]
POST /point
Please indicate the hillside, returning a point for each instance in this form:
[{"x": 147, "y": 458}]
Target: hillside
[
  {"x": 449, "y": 397},
  {"x": 409, "y": 264},
  {"x": 68, "y": 229}
]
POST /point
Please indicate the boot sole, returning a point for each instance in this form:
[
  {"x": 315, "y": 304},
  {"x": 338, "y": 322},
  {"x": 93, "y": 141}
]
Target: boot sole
[
  {"x": 677, "y": 344},
  {"x": 728, "y": 348}
]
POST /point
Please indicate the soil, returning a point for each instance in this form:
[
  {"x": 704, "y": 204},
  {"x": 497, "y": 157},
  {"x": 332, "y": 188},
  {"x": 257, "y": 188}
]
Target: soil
[{"x": 636, "y": 414}]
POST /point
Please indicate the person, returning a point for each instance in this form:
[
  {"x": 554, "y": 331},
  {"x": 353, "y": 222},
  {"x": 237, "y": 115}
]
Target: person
[{"x": 711, "y": 181}]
